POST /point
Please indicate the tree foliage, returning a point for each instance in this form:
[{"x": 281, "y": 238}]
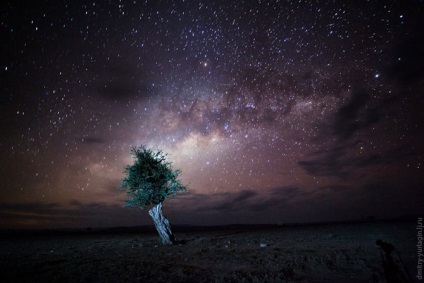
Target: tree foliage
[{"x": 150, "y": 180}]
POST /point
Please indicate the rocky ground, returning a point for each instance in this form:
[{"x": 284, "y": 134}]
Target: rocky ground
[{"x": 304, "y": 253}]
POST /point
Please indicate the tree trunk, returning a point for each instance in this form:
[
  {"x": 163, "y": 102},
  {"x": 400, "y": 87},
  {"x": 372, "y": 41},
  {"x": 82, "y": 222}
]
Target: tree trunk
[{"x": 162, "y": 225}]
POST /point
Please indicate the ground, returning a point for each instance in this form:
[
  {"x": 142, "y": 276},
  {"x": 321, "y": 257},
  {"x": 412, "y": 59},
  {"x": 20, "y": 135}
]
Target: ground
[{"x": 287, "y": 253}]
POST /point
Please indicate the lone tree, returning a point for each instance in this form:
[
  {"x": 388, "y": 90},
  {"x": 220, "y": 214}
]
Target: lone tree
[{"x": 148, "y": 182}]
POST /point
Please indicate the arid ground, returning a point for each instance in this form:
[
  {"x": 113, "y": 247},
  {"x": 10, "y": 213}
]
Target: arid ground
[{"x": 372, "y": 251}]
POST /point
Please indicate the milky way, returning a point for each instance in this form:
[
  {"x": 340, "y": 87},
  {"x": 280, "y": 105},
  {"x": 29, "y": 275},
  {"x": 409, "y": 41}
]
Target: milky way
[{"x": 275, "y": 111}]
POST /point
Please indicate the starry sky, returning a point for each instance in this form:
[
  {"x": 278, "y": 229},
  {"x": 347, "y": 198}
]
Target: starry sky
[{"x": 275, "y": 111}]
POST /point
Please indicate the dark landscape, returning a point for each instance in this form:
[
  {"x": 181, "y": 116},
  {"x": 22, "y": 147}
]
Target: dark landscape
[{"x": 366, "y": 251}]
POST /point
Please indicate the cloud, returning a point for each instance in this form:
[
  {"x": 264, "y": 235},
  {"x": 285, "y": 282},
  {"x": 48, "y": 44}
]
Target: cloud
[
  {"x": 328, "y": 162},
  {"x": 87, "y": 206},
  {"x": 338, "y": 159},
  {"x": 34, "y": 213},
  {"x": 354, "y": 116},
  {"x": 244, "y": 201},
  {"x": 335, "y": 188},
  {"x": 286, "y": 191},
  {"x": 217, "y": 202},
  {"x": 30, "y": 206},
  {"x": 65, "y": 215},
  {"x": 230, "y": 201},
  {"x": 338, "y": 162}
]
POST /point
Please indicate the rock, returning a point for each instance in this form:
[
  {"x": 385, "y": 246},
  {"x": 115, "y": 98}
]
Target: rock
[{"x": 263, "y": 245}]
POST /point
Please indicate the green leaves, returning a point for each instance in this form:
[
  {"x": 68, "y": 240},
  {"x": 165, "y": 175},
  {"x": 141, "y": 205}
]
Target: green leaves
[{"x": 150, "y": 180}]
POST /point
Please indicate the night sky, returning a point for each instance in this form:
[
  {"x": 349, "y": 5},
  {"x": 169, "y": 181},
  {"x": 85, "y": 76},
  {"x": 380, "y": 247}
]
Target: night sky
[{"x": 275, "y": 111}]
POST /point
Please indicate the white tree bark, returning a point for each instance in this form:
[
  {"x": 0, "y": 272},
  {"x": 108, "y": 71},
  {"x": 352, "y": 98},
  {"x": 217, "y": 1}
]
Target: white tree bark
[{"x": 162, "y": 225}]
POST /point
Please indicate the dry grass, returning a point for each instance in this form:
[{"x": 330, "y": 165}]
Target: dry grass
[{"x": 326, "y": 253}]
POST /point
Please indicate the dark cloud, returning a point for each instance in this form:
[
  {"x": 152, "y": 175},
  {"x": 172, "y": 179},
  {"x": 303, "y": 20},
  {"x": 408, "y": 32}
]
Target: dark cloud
[
  {"x": 228, "y": 201},
  {"x": 337, "y": 161},
  {"x": 330, "y": 202},
  {"x": 73, "y": 214},
  {"x": 232, "y": 201},
  {"x": 335, "y": 188},
  {"x": 362, "y": 112},
  {"x": 89, "y": 205},
  {"x": 239, "y": 202},
  {"x": 397, "y": 154},
  {"x": 286, "y": 191},
  {"x": 30, "y": 206},
  {"x": 354, "y": 116},
  {"x": 40, "y": 213},
  {"x": 46, "y": 209},
  {"x": 327, "y": 162}
]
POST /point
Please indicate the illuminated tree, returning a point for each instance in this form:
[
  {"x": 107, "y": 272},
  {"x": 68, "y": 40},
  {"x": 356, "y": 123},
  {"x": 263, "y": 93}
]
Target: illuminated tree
[{"x": 148, "y": 182}]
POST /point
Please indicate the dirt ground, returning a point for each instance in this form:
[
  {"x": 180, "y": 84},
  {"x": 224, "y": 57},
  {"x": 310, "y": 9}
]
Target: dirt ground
[{"x": 306, "y": 253}]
